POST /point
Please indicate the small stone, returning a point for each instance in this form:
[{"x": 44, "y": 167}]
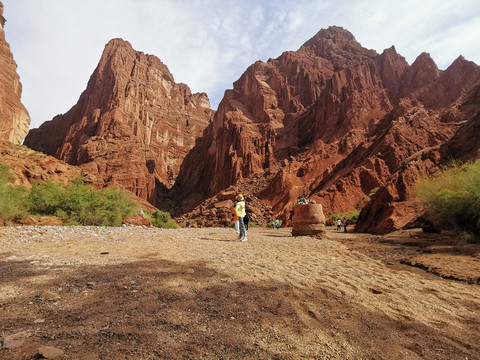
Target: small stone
[
  {"x": 74, "y": 291},
  {"x": 390, "y": 263},
  {"x": 39, "y": 321},
  {"x": 90, "y": 285},
  {"x": 50, "y": 352},
  {"x": 15, "y": 340}
]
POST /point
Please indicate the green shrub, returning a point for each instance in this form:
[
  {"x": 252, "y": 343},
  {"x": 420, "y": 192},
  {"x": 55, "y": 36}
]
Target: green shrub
[
  {"x": 453, "y": 198},
  {"x": 78, "y": 204},
  {"x": 162, "y": 219},
  {"x": 12, "y": 198},
  {"x": 351, "y": 216}
]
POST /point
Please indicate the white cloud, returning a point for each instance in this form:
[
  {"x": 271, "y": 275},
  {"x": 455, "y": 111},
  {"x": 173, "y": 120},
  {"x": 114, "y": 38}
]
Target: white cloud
[{"x": 209, "y": 44}]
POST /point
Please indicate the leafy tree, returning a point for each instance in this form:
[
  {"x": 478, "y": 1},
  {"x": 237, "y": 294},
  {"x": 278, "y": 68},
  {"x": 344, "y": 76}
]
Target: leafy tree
[{"x": 453, "y": 198}]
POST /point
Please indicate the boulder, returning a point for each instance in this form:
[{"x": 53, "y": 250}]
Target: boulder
[
  {"x": 39, "y": 220},
  {"x": 308, "y": 220},
  {"x": 137, "y": 220}
]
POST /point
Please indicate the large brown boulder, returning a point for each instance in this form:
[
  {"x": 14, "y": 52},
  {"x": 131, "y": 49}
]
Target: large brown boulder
[
  {"x": 137, "y": 220},
  {"x": 308, "y": 219},
  {"x": 14, "y": 118}
]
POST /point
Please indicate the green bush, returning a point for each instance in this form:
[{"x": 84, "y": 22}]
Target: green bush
[
  {"x": 12, "y": 198},
  {"x": 351, "y": 216},
  {"x": 453, "y": 198},
  {"x": 78, "y": 204},
  {"x": 162, "y": 219}
]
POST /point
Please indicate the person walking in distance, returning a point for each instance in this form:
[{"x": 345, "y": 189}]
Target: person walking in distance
[
  {"x": 240, "y": 210},
  {"x": 345, "y": 224},
  {"x": 339, "y": 224}
]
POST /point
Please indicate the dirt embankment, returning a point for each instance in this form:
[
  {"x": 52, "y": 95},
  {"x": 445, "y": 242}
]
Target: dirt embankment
[{"x": 136, "y": 293}]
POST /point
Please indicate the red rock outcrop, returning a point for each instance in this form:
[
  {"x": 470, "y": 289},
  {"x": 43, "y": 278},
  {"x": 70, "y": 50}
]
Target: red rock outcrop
[
  {"x": 14, "y": 118},
  {"x": 341, "y": 121},
  {"x": 28, "y": 167},
  {"x": 131, "y": 127}
]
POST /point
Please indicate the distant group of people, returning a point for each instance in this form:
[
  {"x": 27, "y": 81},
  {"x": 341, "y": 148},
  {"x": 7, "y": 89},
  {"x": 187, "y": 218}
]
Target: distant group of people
[
  {"x": 339, "y": 224},
  {"x": 275, "y": 224}
]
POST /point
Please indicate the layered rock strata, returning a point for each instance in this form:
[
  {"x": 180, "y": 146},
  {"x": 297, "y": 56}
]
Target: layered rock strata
[
  {"x": 14, "y": 118},
  {"x": 131, "y": 127}
]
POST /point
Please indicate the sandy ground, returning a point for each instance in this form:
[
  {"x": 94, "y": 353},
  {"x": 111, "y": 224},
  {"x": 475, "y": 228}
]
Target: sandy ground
[{"x": 136, "y": 293}]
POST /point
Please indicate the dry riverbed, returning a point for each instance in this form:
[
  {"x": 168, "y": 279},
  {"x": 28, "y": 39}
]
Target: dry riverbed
[{"x": 138, "y": 293}]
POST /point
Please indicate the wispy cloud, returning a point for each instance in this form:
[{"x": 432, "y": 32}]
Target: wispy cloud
[{"x": 208, "y": 44}]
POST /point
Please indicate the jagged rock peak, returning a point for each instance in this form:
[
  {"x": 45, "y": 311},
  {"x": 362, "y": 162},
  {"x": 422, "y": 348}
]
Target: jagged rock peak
[
  {"x": 117, "y": 46},
  {"x": 425, "y": 61},
  {"x": 423, "y": 71},
  {"x": 461, "y": 63},
  {"x": 339, "y": 46}
]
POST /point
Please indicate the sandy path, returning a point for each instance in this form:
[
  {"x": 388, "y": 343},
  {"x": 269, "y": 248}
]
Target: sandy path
[{"x": 274, "y": 296}]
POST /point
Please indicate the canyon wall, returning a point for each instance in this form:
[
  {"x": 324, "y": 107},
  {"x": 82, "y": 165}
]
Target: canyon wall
[{"x": 14, "y": 118}]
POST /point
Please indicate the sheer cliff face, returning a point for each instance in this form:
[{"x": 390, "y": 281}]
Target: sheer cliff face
[
  {"x": 133, "y": 124},
  {"x": 334, "y": 121},
  {"x": 14, "y": 118}
]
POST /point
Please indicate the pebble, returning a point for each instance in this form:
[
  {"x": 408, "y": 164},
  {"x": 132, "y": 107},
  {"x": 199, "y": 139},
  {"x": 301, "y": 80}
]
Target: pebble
[{"x": 390, "y": 263}]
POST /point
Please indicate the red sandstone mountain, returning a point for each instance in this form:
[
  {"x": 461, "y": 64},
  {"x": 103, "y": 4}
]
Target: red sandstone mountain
[
  {"x": 131, "y": 127},
  {"x": 333, "y": 121},
  {"x": 14, "y": 118}
]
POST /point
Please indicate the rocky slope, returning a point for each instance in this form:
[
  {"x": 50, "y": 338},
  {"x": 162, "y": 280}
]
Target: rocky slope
[
  {"x": 28, "y": 167},
  {"x": 335, "y": 121},
  {"x": 14, "y": 118},
  {"x": 131, "y": 127}
]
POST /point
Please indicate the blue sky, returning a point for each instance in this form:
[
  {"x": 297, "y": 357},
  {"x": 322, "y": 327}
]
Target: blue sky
[{"x": 209, "y": 44}]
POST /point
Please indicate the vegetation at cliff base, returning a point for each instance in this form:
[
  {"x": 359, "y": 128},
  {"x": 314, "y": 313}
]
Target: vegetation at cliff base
[
  {"x": 452, "y": 199},
  {"x": 162, "y": 219},
  {"x": 12, "y": 198},
  {"x": 76, "y": 203}
]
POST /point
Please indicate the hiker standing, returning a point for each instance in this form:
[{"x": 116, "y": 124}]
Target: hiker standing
[
  {"x": 339, "y": 224},
  {"x": 235, "y": 220},
  {"x": 345, "y": 224},
  {"x": 240, "y": 210}
]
